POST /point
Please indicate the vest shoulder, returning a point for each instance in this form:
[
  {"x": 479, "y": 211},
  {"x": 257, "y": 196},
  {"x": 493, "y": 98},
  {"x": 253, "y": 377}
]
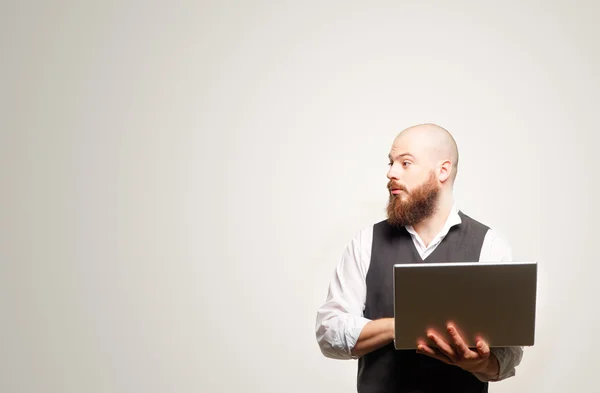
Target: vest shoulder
[
  {"x": 386, "y": 230},
  {"x": 382, "y": 223},
  {"x": 473, "y": 222}
]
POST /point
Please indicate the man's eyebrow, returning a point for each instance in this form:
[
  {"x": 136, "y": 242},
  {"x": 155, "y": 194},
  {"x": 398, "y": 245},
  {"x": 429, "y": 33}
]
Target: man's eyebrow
[{"x": 399, "y": 156}]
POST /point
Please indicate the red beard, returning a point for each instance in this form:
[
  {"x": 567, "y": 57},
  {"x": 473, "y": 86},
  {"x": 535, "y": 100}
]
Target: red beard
[{"x": 410, "y": 208}]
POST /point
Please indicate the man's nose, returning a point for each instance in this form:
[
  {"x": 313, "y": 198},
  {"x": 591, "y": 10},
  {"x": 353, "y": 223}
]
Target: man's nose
[{"x": 393, "y": 172}]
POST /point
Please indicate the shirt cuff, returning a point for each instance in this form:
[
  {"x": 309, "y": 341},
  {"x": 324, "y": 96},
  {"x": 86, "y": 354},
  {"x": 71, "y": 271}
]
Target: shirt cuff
[
  {"x": 354, "y": 327},
  {"x": 506, "y": 366}
]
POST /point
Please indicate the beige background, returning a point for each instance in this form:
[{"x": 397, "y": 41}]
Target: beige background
[{"x": 179, "y": 179}]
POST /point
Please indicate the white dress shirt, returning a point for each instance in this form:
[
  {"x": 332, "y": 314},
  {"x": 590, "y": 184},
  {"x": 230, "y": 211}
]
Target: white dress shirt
[{"x": 340, "y": 319}]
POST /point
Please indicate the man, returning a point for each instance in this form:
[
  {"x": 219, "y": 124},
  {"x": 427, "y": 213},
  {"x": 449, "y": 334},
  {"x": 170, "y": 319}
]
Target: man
[{"x": 423, "y": 224}]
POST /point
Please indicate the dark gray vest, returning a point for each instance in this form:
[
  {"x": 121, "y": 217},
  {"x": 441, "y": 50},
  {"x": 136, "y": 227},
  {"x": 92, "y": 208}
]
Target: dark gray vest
[{"x": 388, "y": 370}]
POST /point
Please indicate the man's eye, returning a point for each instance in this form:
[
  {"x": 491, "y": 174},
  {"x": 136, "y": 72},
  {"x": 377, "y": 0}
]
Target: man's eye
[{"x": 406, "y": 163}]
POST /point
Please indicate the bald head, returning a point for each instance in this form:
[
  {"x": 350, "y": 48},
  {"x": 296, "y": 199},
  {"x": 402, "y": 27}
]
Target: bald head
[{"x": 430, "y": 142}]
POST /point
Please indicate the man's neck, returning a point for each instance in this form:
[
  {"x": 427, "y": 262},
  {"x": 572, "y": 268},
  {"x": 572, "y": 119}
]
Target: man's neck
[{"x": 430, "y": 227}]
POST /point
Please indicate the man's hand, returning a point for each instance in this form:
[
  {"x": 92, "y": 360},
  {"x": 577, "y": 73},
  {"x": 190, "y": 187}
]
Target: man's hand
[{"x": 457, "y": 353}]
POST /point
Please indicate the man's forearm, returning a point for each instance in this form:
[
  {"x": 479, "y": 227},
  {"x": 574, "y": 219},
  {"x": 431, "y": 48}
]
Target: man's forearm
[{"x": 374, "y": 335}]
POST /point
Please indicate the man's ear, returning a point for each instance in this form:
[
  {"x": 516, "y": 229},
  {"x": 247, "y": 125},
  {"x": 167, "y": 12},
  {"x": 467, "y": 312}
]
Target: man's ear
[{"x": 445, "y": 169}]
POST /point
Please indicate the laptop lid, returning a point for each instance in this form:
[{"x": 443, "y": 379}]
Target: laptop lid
[{"x": 496, "y": 301}]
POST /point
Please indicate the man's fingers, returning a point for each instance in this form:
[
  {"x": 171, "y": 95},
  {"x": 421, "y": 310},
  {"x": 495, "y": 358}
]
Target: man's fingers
[
  {"x": 426, "y": 350},
  {"x": 462, "y": 348},
  {"x": 483, "y": 348},
  {"x": 444, "y": 347}
]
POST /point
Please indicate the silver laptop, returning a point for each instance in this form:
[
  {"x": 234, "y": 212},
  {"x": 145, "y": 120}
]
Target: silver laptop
[{"x": 496, "y": 301}]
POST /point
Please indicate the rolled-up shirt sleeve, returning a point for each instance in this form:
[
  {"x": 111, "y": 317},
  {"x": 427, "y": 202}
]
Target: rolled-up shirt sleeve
[{"x": 340, "y": 319}]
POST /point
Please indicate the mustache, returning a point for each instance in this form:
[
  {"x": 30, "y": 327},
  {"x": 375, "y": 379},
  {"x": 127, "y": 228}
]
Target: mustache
[{"x": 393, "y": 185}]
